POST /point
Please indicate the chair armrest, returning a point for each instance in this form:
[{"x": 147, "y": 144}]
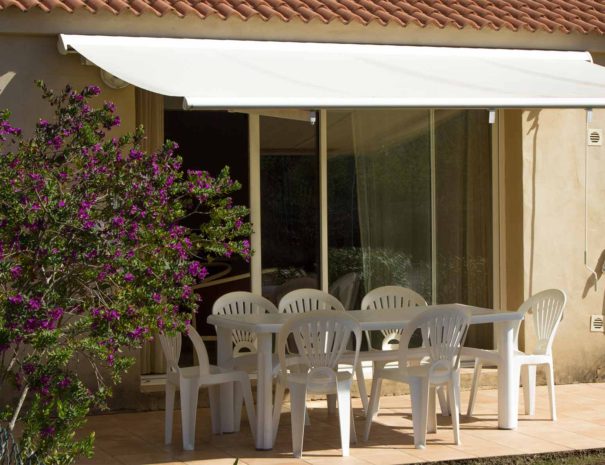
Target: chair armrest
[{"x": 483, "y": 354}]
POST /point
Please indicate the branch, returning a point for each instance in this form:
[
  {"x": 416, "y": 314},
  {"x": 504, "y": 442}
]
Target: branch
[{"x": 11, "y": 425}]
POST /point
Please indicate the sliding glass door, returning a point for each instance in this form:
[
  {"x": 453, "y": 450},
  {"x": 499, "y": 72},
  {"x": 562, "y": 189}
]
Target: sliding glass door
[
  {"x": 379, "y": 198},
  {"x": 463, "y": 213},
  {"x": 409, "y": 204},
  {"x": 289, "y": 177}
]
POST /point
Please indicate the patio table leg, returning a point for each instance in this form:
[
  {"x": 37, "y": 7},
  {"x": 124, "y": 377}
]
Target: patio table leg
[
  {"x": 508, "y": 377},
  {"x": 264, "y": 392},
  {"x": 224, "y": 353}
]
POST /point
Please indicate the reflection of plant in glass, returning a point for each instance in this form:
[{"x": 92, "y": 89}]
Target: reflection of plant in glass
[
  {"x": 376, "y": 266},
  {"x": 286, "y": 274},
  {"x": 92, "y": 260}
]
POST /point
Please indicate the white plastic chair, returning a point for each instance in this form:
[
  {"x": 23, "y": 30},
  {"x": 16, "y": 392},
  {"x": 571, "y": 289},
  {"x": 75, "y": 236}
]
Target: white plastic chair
[
  {"x": 243, "y": 303},
  {"x": 546, "y": 308},
  {"x": 392, "y": 298},
  {"x": 244, "y": 342},
  {"x": 309, "y": 300},
  {"x": 443, "y": 333},
  {"x": 321, "y": 338},
  {"x": 189, "y": 380}
]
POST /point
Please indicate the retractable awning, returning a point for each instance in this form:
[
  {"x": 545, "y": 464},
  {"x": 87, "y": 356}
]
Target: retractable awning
[{"x": 249, "y": 74}]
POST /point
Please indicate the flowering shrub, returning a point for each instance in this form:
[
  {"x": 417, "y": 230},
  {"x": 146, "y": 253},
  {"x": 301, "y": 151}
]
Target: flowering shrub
[{"x": 93, "y": 259}]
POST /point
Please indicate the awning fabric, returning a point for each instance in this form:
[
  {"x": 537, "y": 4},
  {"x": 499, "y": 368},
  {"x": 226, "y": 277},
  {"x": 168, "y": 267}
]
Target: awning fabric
[{"x": 249, "y": 74}]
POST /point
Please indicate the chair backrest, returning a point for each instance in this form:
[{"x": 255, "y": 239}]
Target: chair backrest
[
  {"x": 171, "y": 346},
  {"x": 308, "y": 300},
  {"x": 346, "y": 289},
  {"x": 443, "y": 333},
  {"x": 390, "y": 298},
  {"x": 321, "y": 337},
  {"x": 546, "y": 308},
  {"x": 292, "y": 284},
  {"x": 242, "y": 303}
]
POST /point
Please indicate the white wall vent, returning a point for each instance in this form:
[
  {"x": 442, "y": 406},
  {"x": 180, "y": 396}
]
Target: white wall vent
[
  {"x": 595, "y": 137},
  {"x": 596, "y": 323}
]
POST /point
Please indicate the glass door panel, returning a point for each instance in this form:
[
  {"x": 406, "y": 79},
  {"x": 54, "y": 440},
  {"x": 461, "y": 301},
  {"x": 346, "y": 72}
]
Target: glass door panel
[
  {"x": 379, "y": 200},
  {"x": 463, "y": 173},
  {"x": 384, "y": 167},
  {"x": 289, "y": 165},
  {"x": 211, "y": 140}
]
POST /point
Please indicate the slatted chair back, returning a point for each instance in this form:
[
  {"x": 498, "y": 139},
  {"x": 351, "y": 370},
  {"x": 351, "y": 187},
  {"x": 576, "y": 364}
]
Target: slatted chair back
[
  {"x": 390, "y": 298},
  {"x": 309, "y": 300},
  {"x": 171, "y": 346},
  {"x": 546, "y": 308},
  {"x": 321, "y": 337},
  {"x": 242, "y": 303},
  {"x": 443, "y": 334}
]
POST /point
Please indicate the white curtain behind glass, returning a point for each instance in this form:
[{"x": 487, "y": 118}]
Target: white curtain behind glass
[
  {"x": 464, "y": 212},
  {"x": 380, "y": 210},
  {"x": 392, "y": 162}
]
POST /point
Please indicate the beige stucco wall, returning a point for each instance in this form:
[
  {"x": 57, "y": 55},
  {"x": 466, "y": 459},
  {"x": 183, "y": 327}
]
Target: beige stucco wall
[
  {"x": 553, "y": 231},
  {"x": 24, "y": 59}
]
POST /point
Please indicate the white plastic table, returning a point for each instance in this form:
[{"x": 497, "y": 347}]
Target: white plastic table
[{"x": 265, "y": 325}]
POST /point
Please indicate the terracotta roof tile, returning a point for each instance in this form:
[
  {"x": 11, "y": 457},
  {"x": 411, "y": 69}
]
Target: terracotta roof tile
[{"x": 561, "y": 16}]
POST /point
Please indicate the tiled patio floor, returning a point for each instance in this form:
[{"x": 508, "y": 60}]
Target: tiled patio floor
[{"x": 137, "y": 438}]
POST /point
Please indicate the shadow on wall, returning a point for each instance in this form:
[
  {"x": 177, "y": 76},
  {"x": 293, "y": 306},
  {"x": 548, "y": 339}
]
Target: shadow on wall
[
  {"x": 591, "y": 282},
  {"x": 599, "y": 374},
  {"x": 5, "y": 80}
]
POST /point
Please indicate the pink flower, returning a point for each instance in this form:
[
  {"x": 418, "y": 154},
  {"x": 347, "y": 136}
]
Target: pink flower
[
  {"x": 92, "y": 90},
  {"x": 135, "y": 154},
  {"x": 56, "y": 142},
  {"x": 203, "y": 273},
  {"x": 186, "y": 293},
  {"x": 64, "y": 383},
  {"x": 118, "y": 221},
  {"x": 34, "y": 303},
  {"x": 16, "y": 271},
  {"x": 111, "y": 315},
  {"x": 47, "y": 431},
  {"x": 194, "y": 269},
  {"x": 137, "y": 333},
  {"x": 55, "y": 313}
]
